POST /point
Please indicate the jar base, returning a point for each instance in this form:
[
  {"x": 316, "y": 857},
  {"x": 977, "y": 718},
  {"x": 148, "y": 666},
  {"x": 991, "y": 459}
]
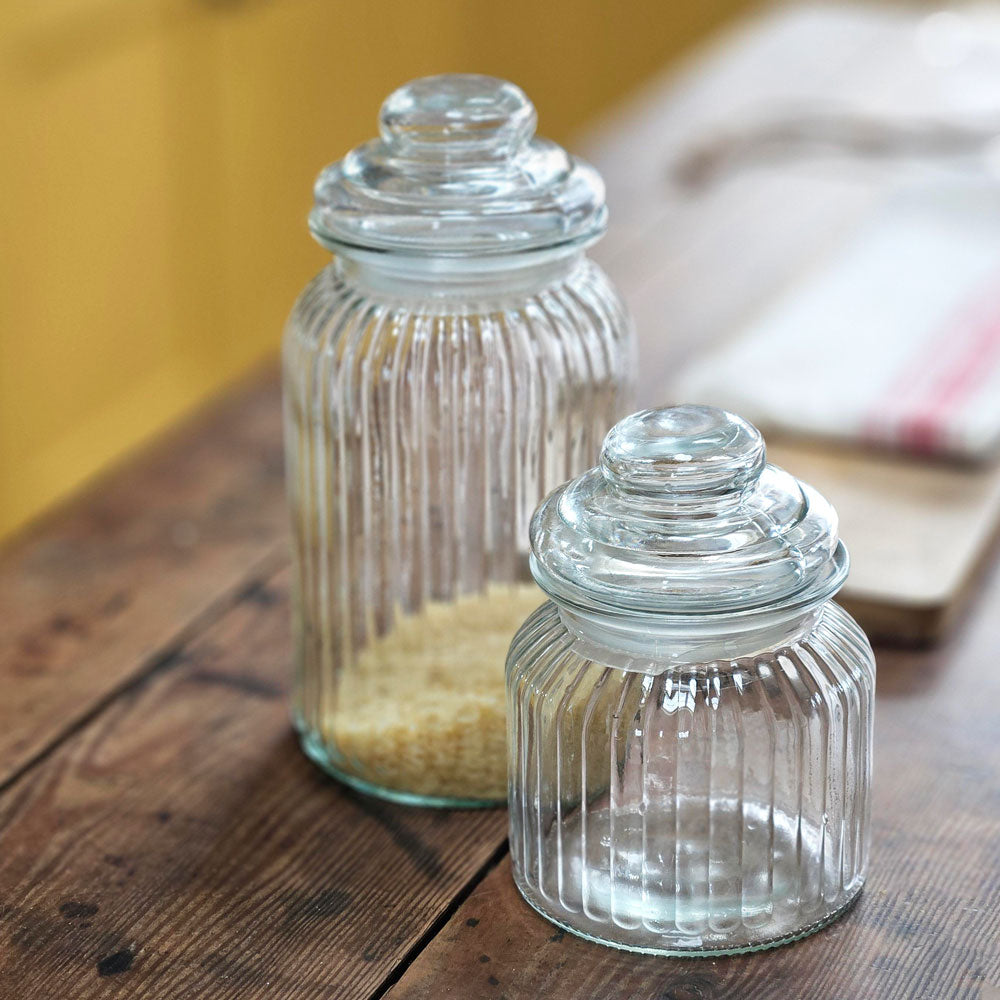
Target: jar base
[
  {"x": 696, "y": 951},
  {"x": 317, "y": 753}
]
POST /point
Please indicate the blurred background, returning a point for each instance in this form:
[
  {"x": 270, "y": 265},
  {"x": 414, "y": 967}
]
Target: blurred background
[
  {"x": 160, "y": 158},
  {"x": 805, "y": 224}
]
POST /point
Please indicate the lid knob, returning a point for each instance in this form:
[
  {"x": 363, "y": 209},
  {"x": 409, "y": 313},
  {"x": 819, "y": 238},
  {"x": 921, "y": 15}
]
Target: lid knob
[
  {"x": 455, "y": 113},
  {"x": 683, "y": 453},
  {"x": 457, "y": 171}
]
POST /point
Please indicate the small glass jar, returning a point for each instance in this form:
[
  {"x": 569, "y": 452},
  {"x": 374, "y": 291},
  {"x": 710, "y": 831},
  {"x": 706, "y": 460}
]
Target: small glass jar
[
  {"x": 690, "y": 715},
  {"x": 458, "y": 358}
]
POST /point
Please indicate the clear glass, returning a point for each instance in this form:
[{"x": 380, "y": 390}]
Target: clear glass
[
  {"x": 690, "y": 716},
  {"x": 429, "y": 407},
  {"x": 692, "y": 807},
  {"x": 457, "y": 170},
  {"x": 458, "y": 358}
]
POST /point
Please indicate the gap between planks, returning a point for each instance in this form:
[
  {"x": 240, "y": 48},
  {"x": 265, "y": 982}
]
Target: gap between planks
[{"x": 442, "y": 921}]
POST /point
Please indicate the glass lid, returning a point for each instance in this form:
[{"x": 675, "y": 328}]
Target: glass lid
[
  {"x": 457, "y": 170},
  {"x": 683, "y": 516}
]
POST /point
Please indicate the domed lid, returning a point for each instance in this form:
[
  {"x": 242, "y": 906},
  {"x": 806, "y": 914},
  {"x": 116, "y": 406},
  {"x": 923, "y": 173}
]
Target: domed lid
[
  {"x": 683, "y": 516},
  {"x": 457, "y": 170}
]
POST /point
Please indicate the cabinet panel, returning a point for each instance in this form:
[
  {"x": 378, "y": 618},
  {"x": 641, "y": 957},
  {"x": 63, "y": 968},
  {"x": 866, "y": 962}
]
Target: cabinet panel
[{"x": 88, "y": 345}]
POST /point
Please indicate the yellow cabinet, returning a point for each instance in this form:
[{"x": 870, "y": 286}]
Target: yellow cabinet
[
  {"x": 157, "y": 174},
  {"x": 89, "y": 358},
  {"x": 158, "y": 162}
]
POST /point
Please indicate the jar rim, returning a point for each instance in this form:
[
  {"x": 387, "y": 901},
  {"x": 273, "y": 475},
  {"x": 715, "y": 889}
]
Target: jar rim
[
  {"x": 490, "y": 256},
  {"x": 796, "y": 604}
]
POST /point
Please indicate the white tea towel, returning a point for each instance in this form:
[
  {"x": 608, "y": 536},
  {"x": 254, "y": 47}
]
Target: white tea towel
[{"x": 893, "y": 341}]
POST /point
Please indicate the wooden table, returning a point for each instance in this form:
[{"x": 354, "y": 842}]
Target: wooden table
[{"x": 161, "y": 835}]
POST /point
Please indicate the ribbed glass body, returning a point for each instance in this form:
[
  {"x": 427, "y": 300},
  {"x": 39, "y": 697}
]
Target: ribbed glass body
[
  {"x": 696, "y": 793},
  {"x": 430, "y": 405}
]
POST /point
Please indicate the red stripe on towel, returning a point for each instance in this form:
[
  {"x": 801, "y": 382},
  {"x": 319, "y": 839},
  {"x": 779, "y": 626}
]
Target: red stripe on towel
[{"x": 914, "y": 409}]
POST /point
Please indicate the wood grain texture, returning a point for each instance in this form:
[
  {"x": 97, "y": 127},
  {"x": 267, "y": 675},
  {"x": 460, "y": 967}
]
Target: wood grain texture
[
  {"x": 181, "y": 845},
  {"x": 917, "y": 533},
  {"x": 120, "y": 575},
  {"x": 927, "y": 926}
]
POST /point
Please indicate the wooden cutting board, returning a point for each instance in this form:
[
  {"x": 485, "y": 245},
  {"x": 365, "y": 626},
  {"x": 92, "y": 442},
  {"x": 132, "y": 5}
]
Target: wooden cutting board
[
  {"x": 917, "y": 533},
  {"x": 693, "y": 265}
]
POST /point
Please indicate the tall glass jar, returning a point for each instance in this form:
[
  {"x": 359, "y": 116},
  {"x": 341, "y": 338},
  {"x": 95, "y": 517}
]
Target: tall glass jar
[
  {"x": 690, "y": 714},
  {"x": 458, "y": 358}
]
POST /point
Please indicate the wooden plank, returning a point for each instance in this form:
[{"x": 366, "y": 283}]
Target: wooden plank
[
  {"x": 181, "y": 845},
  {"x": 104, "y": 586},
  {"x": 927, "y": 924}
]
